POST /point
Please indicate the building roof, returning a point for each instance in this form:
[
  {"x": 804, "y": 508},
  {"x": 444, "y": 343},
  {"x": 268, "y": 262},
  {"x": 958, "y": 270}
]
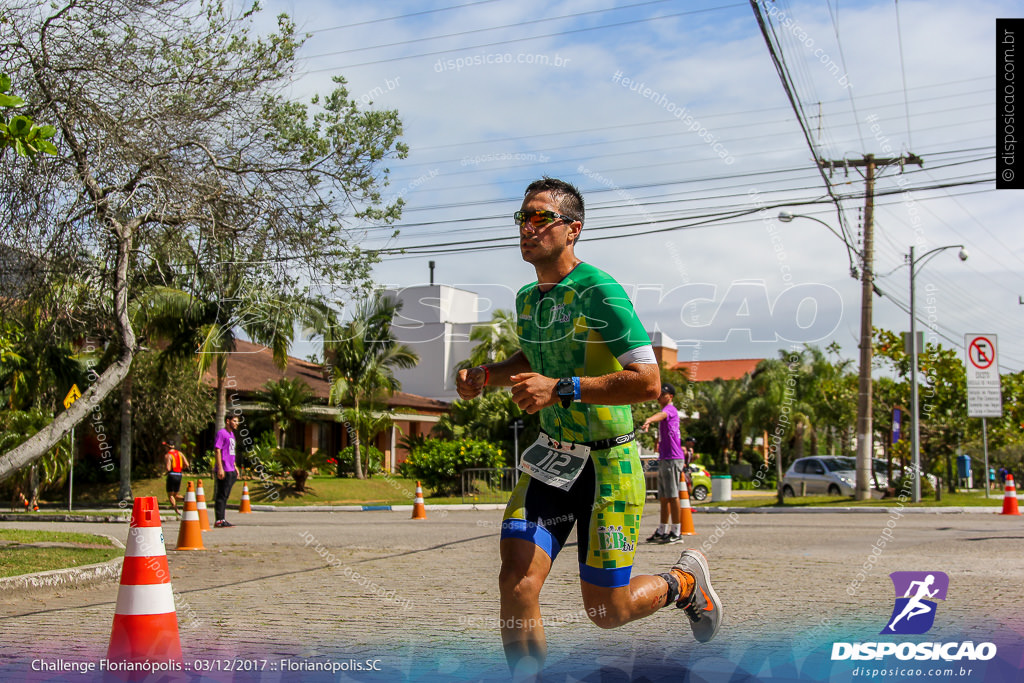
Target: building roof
[
  {"x": 251, "y": 366},
  {"x": 708, "y": 370}
]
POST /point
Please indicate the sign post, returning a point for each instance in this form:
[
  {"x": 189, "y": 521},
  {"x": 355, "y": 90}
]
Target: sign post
[
  {"x": 73, "y": 395},
  {"x": 984, "y": 394}
]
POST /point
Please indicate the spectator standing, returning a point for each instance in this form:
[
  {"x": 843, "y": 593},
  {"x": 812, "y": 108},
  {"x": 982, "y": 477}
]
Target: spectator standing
[
  {"x": 671, "y": 463},
  {"x": 224, "y": 469}
]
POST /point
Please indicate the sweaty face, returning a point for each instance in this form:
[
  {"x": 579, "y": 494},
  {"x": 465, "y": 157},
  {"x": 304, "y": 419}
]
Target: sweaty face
[{"x": 544, "y": 244}]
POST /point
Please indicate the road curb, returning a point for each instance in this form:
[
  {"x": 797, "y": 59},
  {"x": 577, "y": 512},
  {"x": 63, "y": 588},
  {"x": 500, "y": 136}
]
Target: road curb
[
  {"x": 887, "y": 510},
  {"x": 23, "y": 517},
  {"x": 72, "y": 576}
]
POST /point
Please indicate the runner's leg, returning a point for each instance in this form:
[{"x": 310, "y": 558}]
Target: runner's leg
[{"x": 524, "y": 567}]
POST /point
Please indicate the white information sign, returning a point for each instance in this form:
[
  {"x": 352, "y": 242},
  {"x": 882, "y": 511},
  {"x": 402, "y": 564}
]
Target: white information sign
[{"x": 984, "y": 396}]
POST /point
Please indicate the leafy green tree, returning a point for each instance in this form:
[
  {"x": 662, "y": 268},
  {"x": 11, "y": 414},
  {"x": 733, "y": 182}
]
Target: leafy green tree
[
  {"x": 361, "y": 356},
  {"x": 489, "y": 417},
  {"x": 722, "y": 404},
  {"x": 366, "y": 424},
  {"x": 47, "y": 472},
  {"x": 496, "y": 341},
  {"x": 172, "y": 129},
  {"x": 20, "y": 132},
  {"x": 286, "y": 402}
]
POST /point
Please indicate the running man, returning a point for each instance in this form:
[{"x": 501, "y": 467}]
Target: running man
[
  {"x": 174, "y": 461},
  {"x": 914, "y": 606},
  {"x": 585, "y": 358}
]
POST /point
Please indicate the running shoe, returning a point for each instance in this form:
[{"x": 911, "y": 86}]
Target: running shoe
[
  {"x": 703, "y": 606},
  {"x": 657, "y": 537},
  {"x": 671, "y": 537},
  {"x": 222, "y": 523}
]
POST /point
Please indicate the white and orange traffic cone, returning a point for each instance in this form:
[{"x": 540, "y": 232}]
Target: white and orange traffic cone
[
  {"x": 419, "y": 510},
  {"x": 204, "y": 516},
  {"x": 145, "y": 623},
  {"x": 1010, "y": 499},
  {"x": 245, "y": 506},
  {"x": 190, "y": 534},
  {"x": 685, "y": 511}
]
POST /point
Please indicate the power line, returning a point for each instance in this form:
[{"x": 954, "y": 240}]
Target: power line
[{"x": 525, "y": 38}]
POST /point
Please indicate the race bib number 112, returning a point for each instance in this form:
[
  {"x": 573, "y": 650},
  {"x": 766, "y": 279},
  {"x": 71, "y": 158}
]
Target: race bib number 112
[{"x": 554, "y": 464}]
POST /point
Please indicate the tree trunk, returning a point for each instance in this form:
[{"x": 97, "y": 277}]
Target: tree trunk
[
  {"x": 39, "y": 444},
  {"x": 222, "y": 392},
  {"x": 125, "y": 491},
  {"x": 358, "y": 459},
  {"x": 357, "y": 456}
]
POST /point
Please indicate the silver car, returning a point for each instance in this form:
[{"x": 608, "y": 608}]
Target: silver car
[{"x": 820, "y": 475}]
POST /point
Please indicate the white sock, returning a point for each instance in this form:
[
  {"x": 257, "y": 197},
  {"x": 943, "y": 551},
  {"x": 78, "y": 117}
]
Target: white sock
[
  {"x": 663, "y": 528},
  {"x": 675, "y": 529}
]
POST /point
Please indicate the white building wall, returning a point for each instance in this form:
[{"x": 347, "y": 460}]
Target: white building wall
[{"x": 435, "y": 321}]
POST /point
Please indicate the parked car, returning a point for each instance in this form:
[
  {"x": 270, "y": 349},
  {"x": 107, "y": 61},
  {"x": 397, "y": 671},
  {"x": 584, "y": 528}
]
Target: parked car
[
  {"x": 832, "y": 475},
  {"x": 698, "y": 474},
  {"x": 701, "y": 482}
]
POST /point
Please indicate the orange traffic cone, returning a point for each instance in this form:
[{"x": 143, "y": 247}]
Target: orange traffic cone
[
  {"x": 419, "y": 510},
  {"x": 685, "y": 511},
  {"x": 190, "y": 535},
  {"x": 145, "y": 623},
  {"x": 204, "y": 516},
  {"x": 1010, "y": 500},
  {"x": 244, "y": 506}
]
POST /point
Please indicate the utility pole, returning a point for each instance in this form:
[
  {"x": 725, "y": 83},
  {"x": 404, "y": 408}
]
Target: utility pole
[{"x": 865, "y": 442}]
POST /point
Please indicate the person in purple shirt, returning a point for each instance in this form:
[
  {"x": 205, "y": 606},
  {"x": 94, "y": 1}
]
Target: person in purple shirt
[
  {"x": 224, "y": 469},
  {"x": 670, "y": 465}
]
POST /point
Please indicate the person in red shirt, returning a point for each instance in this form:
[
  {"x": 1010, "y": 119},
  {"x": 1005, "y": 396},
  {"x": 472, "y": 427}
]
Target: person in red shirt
[{"x": 175, "y": 461}]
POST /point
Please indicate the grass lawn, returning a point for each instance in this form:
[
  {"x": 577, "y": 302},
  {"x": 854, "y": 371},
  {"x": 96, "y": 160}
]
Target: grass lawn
[
  {"x": 320, "y": 490},
  {"x": 27, "y": 552},
  {"x": 961, "y": 499}
]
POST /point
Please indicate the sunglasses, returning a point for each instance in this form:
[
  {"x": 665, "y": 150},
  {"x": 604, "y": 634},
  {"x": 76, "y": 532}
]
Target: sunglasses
[{"x": 538, "y": 219}]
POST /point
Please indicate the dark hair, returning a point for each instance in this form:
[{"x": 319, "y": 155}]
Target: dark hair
[{"x": 569, "y": 199}]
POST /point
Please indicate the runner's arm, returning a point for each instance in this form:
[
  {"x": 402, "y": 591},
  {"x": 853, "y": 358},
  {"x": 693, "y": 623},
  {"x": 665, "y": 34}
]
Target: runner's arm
[
  {"x": 635, "y": 383},
  {"x": 470, "y": 382}
]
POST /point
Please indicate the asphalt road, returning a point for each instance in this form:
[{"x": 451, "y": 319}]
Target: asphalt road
[{"x": 419, "y": 601}]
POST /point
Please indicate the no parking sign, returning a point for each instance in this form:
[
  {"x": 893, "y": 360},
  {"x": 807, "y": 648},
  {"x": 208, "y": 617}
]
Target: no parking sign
[{"x": 984, "y": 395}]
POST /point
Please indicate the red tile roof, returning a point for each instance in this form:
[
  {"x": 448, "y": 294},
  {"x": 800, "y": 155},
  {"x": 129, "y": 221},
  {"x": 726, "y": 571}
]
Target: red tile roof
[
  {"x": 251, "y": 366},
  {"x": 708, "y": 370}
]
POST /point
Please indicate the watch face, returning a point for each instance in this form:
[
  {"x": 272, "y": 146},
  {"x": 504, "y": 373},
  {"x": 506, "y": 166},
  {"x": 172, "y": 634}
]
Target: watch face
[{"x": 564, "y": 387}]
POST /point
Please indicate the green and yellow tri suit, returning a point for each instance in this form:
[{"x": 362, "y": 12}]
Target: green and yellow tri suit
[{"x": 583, "y": 327}]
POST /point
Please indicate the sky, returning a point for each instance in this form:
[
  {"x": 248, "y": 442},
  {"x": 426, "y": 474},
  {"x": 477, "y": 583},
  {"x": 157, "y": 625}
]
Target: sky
[{"x": 672, "y": 119}]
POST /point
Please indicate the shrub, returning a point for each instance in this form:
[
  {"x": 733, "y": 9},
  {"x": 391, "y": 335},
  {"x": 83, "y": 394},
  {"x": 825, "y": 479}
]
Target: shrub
[
  {"x": 439, "y": 464},
  {"x": 926, "y": 486},
  {"x": 299, "y": 464},
  {"x": 373, "y": 459}
]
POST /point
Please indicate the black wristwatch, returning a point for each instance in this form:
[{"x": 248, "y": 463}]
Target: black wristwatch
[{"x": 565, "y": 391}]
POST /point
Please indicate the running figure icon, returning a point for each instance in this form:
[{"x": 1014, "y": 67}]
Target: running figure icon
[{"x": 915, "y": 605}]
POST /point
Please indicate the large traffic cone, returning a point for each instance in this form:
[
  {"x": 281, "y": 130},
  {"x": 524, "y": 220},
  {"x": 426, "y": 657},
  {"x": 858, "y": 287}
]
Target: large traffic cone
[
  {"x": 1010, "y": 499},
  {"x": 419, "y": 510},
  {"x": 244, "y": 506},
  {"x": 204, "y": 516},
  {"x": 685, "y": 511},
  {"x": 145, "y": 623},
  {"x": 190, "y": 534}
]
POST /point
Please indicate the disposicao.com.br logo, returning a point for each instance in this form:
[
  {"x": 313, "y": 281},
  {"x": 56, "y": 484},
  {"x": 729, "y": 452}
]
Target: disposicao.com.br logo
[{"x": 914, "y": 613}]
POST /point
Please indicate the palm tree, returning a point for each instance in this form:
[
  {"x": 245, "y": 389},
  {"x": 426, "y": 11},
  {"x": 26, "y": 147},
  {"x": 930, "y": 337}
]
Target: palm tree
[
  {"x": 722, "y": 402},
  {"x": 361, "y": 356},
  {"x": 496, "y": 341},
  {"x": 286, "y": 401}
]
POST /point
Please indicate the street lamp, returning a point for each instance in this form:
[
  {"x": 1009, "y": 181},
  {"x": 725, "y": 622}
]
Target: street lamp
[
  {"x": 865, "y": 448},
  {"x": 915, "y": 435}
]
